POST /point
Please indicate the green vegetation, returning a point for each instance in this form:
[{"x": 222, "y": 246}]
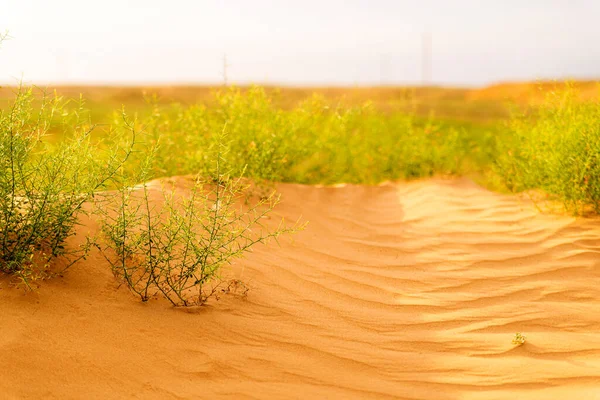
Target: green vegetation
[
  {"x": 43, "y": 187},
  {"x": 54, "y": 162},
  {"x": 176, "y": 247},
  {"x": 556, "y": 149},
  {"x": 519, "y": 339},
  {"x": 315, "y": 141}
]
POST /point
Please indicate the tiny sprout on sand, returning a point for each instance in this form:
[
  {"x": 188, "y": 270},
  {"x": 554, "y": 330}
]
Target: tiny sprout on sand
[{"x": 519, "y": 339}]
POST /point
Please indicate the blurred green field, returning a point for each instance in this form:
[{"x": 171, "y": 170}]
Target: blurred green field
[
  {"x": 475, "y": 105},
  {"x": 359, "y": 135}
]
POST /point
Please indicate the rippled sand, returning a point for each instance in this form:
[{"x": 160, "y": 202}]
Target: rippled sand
[{"x": 411, "y": 290}]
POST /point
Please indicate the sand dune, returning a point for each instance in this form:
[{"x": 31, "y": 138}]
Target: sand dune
[{"x": 411, "y": 290}]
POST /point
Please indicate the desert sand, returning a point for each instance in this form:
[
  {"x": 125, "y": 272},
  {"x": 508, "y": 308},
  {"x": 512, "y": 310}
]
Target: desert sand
[{"x": 402, "y": 290}]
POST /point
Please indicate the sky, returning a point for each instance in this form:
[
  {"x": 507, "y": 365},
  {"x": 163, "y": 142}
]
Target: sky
[{"x": 309, "y": 42}]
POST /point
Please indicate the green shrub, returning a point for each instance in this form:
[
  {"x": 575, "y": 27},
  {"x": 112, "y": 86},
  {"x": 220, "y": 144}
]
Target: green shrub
[
  {"x": 173, "y": 241},
  {"x": 557, "y": 149},
  {"x": 44, "y": 186}
]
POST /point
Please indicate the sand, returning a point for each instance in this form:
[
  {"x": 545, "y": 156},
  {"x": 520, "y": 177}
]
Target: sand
[{"x": 411, "y": 290}]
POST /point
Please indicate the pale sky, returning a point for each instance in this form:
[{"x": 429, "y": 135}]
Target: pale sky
[{"x": 308, "y": 42}]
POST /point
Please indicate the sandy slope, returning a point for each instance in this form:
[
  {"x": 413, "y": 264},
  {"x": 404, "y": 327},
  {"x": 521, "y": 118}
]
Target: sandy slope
[{"x": 397, "y": 291}]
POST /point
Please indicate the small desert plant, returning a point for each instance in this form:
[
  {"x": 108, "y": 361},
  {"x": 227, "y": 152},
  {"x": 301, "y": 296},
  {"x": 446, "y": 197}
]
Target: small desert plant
[
  {"x": 519, "y": 339},
  {"x": 44, "y": 186},
  {"x": 171, "y": 241}
]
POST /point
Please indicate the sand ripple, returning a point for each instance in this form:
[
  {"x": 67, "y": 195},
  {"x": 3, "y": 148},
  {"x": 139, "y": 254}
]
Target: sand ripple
[{"x": 395, "y": 291}]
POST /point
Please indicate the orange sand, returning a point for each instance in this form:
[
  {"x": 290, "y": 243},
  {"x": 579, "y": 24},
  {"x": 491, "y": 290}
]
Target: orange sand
[{"x": 410, "y": 290}]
